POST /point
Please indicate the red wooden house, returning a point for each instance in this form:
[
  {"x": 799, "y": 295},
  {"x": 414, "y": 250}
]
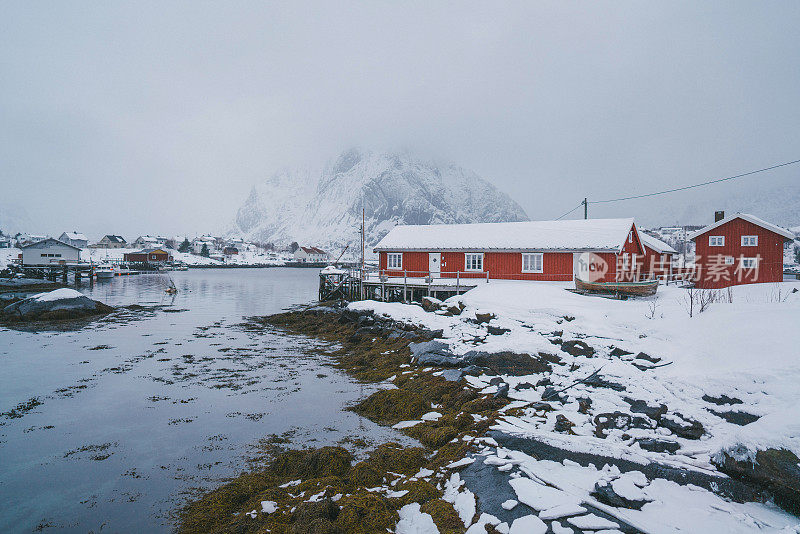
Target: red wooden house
[
  {"x": 148, "y": 255},
  {"x": 533, "y": 250},
  {"x": 740, "y": 249},
  {"x": 658, "y": 257}
]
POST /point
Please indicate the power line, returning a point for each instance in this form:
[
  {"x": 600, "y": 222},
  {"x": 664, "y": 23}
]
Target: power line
[
  {"x": 696, "y": 185},
  {"x": 570, "y": 211},
  {"x": 587, "y": 202}
]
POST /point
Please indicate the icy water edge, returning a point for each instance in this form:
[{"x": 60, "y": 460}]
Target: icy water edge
[{"x": 135, "y": 415}]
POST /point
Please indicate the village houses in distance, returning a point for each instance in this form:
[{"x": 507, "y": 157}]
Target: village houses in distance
[{"x": 737, "y": 248}]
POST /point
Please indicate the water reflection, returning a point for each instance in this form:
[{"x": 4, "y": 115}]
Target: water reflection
[{"x": 129, "y": 416}]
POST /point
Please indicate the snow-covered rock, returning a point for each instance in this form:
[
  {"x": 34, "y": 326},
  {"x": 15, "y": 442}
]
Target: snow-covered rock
[
  {"x": 54, "y": 305},
  {"x": 323, "y": 207}
]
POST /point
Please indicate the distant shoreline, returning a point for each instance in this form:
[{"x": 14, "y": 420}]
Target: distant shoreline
[{"x": 260, "y": 266}]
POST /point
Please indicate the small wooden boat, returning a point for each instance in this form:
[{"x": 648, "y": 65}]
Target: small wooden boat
[{"x": 644, "y": 288}]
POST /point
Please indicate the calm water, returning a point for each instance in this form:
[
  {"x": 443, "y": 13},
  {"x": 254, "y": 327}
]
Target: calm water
[{"x": 170, "y": 400}]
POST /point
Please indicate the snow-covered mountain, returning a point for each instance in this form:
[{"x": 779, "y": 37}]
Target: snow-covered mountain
[{"x": 323, "y": 207}]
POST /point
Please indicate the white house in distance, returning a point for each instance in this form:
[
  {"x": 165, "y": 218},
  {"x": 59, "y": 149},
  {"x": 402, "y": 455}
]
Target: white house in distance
[
  {"x": 50, "y": 251},
  {"x": 149, "y": 241},
  {"x": 209, "y": 241},
  {"x": 310, "y": 255},
  {"x": 76, "y": 239},
  {"x": 111, "y": 241}
]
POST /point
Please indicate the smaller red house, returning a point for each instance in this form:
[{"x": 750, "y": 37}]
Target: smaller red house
[
  {"x": 148, "y": 255},
  {"x": 658, "y": 257},
  {"x": 739, "y": 249}
]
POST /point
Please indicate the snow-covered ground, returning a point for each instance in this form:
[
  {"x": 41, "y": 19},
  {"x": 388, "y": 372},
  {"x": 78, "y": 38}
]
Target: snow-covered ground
[
  {"x": 8, "y": 254},
  {"x": 245, "y": 257},
  {"x": 745, "y": 347},
  {"x": 100, "y": 254}
]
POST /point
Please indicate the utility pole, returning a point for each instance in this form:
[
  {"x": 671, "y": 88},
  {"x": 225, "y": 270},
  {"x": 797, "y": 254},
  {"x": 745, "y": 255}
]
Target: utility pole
[
  {"x": 363, "y": 241},
  {"x": 585, "y": 208}
]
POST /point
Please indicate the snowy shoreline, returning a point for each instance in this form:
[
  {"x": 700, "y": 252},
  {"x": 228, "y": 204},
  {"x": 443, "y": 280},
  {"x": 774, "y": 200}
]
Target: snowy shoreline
[{"x": 694, "y": 393}]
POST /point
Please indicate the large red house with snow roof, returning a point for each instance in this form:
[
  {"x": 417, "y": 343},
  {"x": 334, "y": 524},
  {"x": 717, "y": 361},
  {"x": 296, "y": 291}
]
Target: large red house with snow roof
[
  {"x": 739, "y": 249},
  {"x": 606, "y": 249}
]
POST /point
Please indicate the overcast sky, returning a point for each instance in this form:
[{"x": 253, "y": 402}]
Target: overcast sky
[{"x": 135, "y": 117}]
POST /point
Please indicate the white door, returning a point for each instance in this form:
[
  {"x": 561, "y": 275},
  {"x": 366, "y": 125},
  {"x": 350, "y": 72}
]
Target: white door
[{"x": 434, "y": 263}]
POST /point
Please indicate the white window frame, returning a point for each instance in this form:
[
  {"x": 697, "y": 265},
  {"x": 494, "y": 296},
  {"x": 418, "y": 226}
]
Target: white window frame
[
  {"x": 744, "y": 261},
  {"x": 716, "y": 241},
  {"x": 396, "y": 265},
  {"x": 749, "y": 240},
  {"x": 532, "y": 261},
  {"x": 729, "y": 260},
  {"x": 478, "y": 261}
]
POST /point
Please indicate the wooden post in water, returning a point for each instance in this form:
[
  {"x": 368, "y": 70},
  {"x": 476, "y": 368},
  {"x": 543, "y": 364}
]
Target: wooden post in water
[{"x": 405, "y": 286}]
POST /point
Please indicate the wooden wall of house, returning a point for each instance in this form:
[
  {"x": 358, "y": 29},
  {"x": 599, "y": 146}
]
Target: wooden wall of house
[
  {"x": 770, "y": 249},
  {"x": 557, "y": 266},
  {"x": 655, "y": 263}
]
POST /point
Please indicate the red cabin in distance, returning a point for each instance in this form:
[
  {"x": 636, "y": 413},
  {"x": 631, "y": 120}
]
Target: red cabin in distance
[
  {"x": 658, "y": 257},
  {"x": 532, "y": 250},
  {"x": 148, "y": 255},
  {"x": 740, "y": 249}
]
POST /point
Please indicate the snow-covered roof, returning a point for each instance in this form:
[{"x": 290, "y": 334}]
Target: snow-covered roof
[
  {"x": 656, "y": 244},
  {"x": 607, "y": 235},
  {"x": 749, "y": 218},
  {"x": 313, "y": 250},
  {"x": 74, "y": 236},
  {"x": 115, "y": 238},
  {"x": 49, "y": 239}
]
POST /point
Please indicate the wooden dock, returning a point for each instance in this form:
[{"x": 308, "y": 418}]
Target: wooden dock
[{"x": 353, "y": 285}]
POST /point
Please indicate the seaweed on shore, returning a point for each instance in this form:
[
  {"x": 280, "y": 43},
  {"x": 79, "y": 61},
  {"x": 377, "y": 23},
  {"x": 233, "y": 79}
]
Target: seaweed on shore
[{"x": 322, "y": 490}]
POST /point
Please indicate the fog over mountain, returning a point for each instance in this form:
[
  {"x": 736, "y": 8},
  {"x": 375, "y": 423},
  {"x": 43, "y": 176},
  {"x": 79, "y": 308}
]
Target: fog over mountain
[{"x": 323, "y": 207}]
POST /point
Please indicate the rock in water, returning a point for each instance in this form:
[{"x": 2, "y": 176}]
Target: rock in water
[{"x": 55, "y": 305}]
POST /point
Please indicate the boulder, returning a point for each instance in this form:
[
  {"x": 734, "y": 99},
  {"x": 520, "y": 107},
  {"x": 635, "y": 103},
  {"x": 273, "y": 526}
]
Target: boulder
[
  {"x": 721, "y": 400},
  {"x": 563, "y": 424},
  {"x": 646, "y": 357},
  {"x": 484, "y": 317},
  {"x": 658, "y": 445},
  {"x": 604, "y": 422},
  {"x": 640, "y": 406},
  {"x": 576, "y": 347},
  {"x": 502, "y": 391},
  {"x": 600, "y": 382},
  {"x": 737, "y": 417},
  {"x": 61, "y": 304},
  {"x": 778, "y": 470},
  {"x": 430, "y": 304},
  {"x": 497, "y": 331},
  {"x": 542, "y": 406},
  {"x": 366, "y": 320},
  {"x": 434, "y": 353},
  {"x": 617, "y": 352},
  {"x": 681, "y": 426},
  {"x": 507, "y": 363},
  {"x": 620, "y": 493}
]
